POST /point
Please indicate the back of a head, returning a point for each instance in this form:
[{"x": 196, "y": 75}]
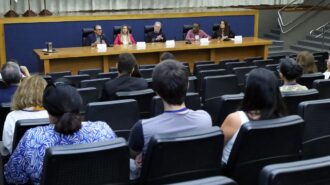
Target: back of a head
[
  {"x": 262, "y": 94},
  {"x": 29, "y": 93},
  {"x": 306, "y": 60},
  {"x": 63, "y": 102},
  {"x": 126, "y": 63},
  {"x": 170, "y": 81},
  {"x": 167, "y": 56},
  {"x": 11, "y": 73},
  {"x": 290, "y": 69}
]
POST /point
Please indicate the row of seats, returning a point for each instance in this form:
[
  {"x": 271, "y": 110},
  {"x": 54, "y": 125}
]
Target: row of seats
[{"x": 259, "y": 143}]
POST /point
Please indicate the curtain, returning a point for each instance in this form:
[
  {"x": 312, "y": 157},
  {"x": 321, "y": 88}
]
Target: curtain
[{"x": 57, "y": 6}]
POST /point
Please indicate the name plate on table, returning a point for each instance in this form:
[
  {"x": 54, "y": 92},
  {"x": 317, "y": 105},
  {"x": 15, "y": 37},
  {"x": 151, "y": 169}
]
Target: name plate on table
[
  {"x": 238, "y": 39},
  {"x": 170, "y": 44},
  {"x": 141, "y": 45},
  {"x": 204, "y": 41},
  {"x": 101, "y": 47}
]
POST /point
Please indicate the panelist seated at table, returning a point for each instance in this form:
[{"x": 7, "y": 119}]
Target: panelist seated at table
[
  {"x": 195, "y": 34},
  {"x": 157, "y": 34},
  {"x": 97, "y": 37},
  {"x": 124, "y": 37},
  {"x": 224, "y": 32},
  {"x": 127, "y": 79}
]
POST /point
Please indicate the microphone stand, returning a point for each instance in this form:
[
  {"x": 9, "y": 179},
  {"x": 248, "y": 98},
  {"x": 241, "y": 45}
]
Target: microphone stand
[
  {"x": 45, "y": 12},
  {"x": 29, "y": 12},
  {"x": 11, "y": 12}
]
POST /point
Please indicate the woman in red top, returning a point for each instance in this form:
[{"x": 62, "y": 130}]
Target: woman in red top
[{"x": 124, "y": 38}]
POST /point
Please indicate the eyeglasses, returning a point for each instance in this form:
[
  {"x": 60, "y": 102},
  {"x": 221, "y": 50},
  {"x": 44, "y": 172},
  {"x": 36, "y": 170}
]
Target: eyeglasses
[{"x": 98, "y": 29}]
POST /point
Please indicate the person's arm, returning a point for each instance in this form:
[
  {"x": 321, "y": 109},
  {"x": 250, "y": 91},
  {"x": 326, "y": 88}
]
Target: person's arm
[
  {"x": 25, "y": 71},
  {"x": 8, "y": 132},
  {"x": 231, "y": 124},
  {"x": 204, "y": 34},
  {"x": 117, "y": 40},
  {"x": 164, "y": 37},
  {"x": 136, "y": 140},
  {"x": 231, "y": 34},
  {"x": 190, "y": 36},
  {"x": 132, "y": 39}
]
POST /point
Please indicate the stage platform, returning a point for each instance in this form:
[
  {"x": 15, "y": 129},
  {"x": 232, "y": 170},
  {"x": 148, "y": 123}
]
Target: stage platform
[{"x": 19, "y": 36}]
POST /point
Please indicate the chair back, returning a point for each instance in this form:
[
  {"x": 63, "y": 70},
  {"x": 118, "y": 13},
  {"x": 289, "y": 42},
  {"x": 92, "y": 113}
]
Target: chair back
[
  {"x": 21, "y": 126},
  {"x": 56, "y": 75},
  {"x": 143, "y": 97},
  {"x": 241, "y": 74},
  {"x": 4, "y": 110},
  {"x": 111, "y": 75},
  {"x": 192, "y": 101},
  {"x": 306, "y": 172},
  {"x": 183, "y": 161},
  {"x": 87, "y": 164},
  {"x": 316, "y": 129},
  {"x": 88, "y": 95},
  {"x": 91, "y": 72},
  {"x": 204, "y": 73},
  {"x": 230, "y": 66},
  {"x": 221, "y": 106},
  {"x": 323, "y": 86},
  {"x": 292, "y": 99},
  {"x": 185, "y": 30},
  {"x": 76, "y": 79},
  {"x": 85, "y": 33},
  {"x": 308, "y": 79},
  {"x": 217, "y": 180},
  {"x": 260, "y": 143},
  {"x": 219, "y": 85},
  {"x": 97, "y": 83}
]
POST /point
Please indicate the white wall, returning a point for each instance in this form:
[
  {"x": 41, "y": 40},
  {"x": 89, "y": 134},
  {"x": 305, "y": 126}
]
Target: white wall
[{"x": 76, "y": 5}]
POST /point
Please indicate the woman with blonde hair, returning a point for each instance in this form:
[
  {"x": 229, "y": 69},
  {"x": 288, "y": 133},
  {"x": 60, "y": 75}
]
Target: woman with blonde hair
[
  {"x": 306, "y": 60},
  {"x": 124, "y": 37},
  {"x": 26, "y": 104}
]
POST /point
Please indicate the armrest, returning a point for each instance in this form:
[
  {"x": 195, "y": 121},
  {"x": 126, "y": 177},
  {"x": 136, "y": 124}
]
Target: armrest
[{"x": 4, "y": 153}]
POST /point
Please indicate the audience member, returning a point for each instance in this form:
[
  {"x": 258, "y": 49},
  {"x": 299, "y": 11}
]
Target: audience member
[
  {"x": 97, "y": 37},
  {"x": 26, "y": 104},
  {"x": 157, "y": 34},
  {"x": 289, "y": 71},
  {"x": 166, "y": 56},
  {"x": 306, "y": 60},
  {"x": 11, "y": 74},
  {"x": 195, "y": 34},
  {"x": 62, "y": 103},
  {"x": 224, "y": 32},
  {"x": 262, "y": 100},
  {"x": 327, "y": 72},
  {"x": 125, "y": 81},
  {"x": 170, "y": 82},
  {"x": 124, "y": 37}
]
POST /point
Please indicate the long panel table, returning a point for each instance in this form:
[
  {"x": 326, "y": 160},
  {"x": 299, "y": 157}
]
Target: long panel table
[{"x": 76, "y": 58}]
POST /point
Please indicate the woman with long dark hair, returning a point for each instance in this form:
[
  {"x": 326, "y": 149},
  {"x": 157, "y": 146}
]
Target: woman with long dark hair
[
  {"x": 262, "y": 100},
  {"x": 224, "y": 31}
]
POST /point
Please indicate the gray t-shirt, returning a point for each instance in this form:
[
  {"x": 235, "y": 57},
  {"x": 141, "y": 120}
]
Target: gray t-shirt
[{"x": 168, "y": 122}]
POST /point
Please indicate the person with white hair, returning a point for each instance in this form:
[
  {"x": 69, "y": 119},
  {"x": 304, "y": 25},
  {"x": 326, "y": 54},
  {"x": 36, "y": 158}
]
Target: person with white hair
[{"x": 157, "y": 34}]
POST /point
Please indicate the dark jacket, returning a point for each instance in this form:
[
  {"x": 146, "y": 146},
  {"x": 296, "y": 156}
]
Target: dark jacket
[
  {"x": 217, "y": 34},
  {"x": 91, "y": 38},
  {"x": 151, "y": 36},
  {"x": 122, "y": 83}
]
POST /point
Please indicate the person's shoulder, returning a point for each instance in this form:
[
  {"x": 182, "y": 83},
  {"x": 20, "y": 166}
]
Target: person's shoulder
[
  {"x": 40, "y": 132},
  {"x": 201, "y": 115}
]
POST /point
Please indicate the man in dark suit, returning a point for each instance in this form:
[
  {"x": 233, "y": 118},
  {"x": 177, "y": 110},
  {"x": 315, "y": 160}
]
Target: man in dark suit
[
  {"x": 97, "y": 37},
  {"x": 124, "y": 82},
  {"x": 157, "y": 35}
]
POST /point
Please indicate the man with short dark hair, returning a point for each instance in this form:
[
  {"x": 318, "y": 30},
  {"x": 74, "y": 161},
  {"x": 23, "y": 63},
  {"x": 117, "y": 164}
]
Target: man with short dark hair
[
  {"x": 125, "y": 81},
  {"x": 170, "y": 82},
  {"x": 11, "y": 74},
  {"x": 195, "y": 34},
  {"x": 167, "y": 56},
  {"x": 97, "y": 37}
]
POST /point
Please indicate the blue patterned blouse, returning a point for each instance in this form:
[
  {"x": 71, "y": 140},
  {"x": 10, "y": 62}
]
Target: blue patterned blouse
[{"x": 26, "y": 162}]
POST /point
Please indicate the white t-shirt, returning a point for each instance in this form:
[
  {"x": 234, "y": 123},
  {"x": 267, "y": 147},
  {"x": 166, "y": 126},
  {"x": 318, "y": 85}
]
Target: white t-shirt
[
  {"x": 12, "y": 117},
  {"x": 326, "y": 75},
  {"x": 227, "y": 149}
]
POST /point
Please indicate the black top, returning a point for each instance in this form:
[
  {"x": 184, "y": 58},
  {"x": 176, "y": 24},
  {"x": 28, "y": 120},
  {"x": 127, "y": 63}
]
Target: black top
[
  {"x": 122, "y": 83},
  {"x": 136, "y": 138},
  {"x": 218, "y": 35},
  {"x": 151, "y": 36}
]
